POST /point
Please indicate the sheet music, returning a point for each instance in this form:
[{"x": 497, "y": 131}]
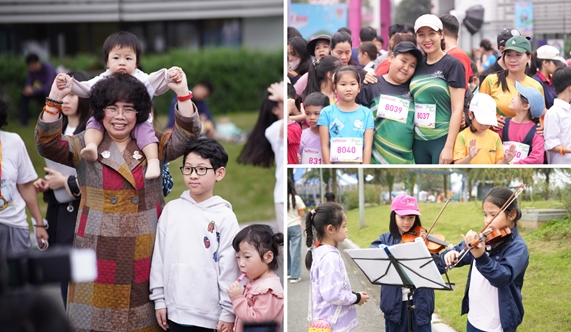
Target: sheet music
[{"x": 416, "y": 265}]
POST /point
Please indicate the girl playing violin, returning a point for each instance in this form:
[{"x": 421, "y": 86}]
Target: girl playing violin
[
  {"x": 405, "y": 216},
  {"x": 493, "y": 298}
]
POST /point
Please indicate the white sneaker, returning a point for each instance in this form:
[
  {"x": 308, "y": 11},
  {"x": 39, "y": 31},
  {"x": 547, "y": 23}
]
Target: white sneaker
[{"x": 294, "y": 280}]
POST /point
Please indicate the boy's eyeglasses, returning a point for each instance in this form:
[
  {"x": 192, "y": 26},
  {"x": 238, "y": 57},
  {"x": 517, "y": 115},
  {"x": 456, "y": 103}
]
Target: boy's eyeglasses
[
  {"x": 127, "y": 111},
  {"x": 200, "y": 170}
]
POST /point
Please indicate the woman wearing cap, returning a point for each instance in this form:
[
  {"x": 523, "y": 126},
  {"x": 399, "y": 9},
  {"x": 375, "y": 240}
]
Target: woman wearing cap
[
  {"x": 501, "y": 85},
  {"x": 318, "y": 47},
  {"x": 298, "y": 58},
  {"x": 438, "y": 88},
  {"x": 393, "y": 107},
  {"x": 404, "y": 217},
  {"x": 543, "y": 63}
]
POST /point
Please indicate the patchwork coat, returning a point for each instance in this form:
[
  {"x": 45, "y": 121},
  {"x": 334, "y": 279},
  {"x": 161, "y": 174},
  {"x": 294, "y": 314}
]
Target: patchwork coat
[{"x": 117, "y": 218}]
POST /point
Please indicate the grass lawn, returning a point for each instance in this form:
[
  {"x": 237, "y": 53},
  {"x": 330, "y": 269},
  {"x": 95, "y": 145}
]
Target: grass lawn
[
  {"x": 249, "y": 189},
  {"x": 546, "y": 299}
]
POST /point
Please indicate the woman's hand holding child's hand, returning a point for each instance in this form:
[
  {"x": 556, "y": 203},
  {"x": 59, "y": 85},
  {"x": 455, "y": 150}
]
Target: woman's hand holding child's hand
[
  {"x": 61, "y": 80},
  {"x": 364, "y": 298},
  {"x": 59, "y": 88},
  {"x": 234, "y": 289},
  {"x": 161, "y": 315},
  {"x": 175, "y": 74}
]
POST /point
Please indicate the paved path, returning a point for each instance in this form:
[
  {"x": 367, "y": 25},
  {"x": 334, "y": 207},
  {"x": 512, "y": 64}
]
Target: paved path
[{"x": 369, "y": 314}]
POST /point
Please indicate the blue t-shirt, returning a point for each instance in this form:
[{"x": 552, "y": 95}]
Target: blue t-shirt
[
  {"x": 490, "y": 60},
  {"x": 346, "y": 124}
]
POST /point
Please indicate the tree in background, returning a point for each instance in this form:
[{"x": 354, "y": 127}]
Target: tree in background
[
  {"x": 546, "y": 172},
  {"x": 409, "y": 10}
]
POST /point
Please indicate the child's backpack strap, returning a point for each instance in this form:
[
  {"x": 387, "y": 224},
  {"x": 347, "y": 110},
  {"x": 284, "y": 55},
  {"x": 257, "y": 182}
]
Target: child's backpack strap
[
  {"x": 528, "y": 139},
  {"x": 506, "y": 129}
]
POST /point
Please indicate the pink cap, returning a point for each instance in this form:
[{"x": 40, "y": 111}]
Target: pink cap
[{"x": 405, "y": 205}]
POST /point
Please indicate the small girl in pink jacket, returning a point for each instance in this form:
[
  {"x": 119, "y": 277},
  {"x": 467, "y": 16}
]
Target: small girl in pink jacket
[{"x": 262, "y": 300}]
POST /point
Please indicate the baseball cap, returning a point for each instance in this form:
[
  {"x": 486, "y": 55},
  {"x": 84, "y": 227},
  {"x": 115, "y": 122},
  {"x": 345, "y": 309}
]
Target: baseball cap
[
  {"x": 313, "y": 42},
  {"x": 506, "y": 34},
  {"x": 548, "y": 52},
  {"x": 428, "y": 20},
  {"x": 408, "y": 47},
  {"x": 534, "y": 97},
  {"x": 484, "y": 108},
  {"x": 518, "y": 44},
  {"x": 405, "y": 205}
]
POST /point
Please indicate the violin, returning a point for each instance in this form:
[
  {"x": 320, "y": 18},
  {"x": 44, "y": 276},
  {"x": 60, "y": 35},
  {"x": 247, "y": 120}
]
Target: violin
[
  {"x": 434, "y": 242},
  {"x": 491, "y": 236},
  {"x": 494, "y": 236}
]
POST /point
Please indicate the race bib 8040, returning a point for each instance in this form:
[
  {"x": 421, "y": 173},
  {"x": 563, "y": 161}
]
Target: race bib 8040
[{"x": 346, "y": 149}]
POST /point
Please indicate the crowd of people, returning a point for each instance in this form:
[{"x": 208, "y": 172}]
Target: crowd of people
[
  {"x": 156, "y": 268},
  {"x": 424, "y": 100}
]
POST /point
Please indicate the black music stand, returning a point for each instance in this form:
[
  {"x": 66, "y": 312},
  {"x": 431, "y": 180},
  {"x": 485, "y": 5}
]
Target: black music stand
[{"x": 407, "y": 265}]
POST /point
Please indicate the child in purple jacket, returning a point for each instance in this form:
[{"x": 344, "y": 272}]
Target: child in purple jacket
[{"x": 331, "y": 296}]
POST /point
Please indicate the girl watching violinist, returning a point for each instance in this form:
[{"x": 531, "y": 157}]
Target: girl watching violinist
[
  {"x": 493, "y": 298},
  {"x": 405, "y": 216}
]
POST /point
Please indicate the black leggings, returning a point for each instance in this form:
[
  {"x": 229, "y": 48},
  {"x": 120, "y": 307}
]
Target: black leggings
[{"x": 174, "y": 327}]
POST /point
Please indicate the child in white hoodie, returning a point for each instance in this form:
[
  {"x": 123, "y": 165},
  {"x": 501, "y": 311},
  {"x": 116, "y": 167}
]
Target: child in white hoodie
[{"x": 193, "y": 261}]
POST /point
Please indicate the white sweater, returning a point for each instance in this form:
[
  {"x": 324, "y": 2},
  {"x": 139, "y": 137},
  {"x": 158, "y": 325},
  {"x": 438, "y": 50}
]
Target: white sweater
[{"x": 194, "y": 262}]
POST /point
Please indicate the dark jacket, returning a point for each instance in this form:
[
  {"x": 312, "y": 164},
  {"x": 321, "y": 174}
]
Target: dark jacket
[
  {"x": 41, "y": 81},
  {"x": 548, "y": 89},
  {"x": 391, "y": 296},
  {"x": 504, "y": 268}
]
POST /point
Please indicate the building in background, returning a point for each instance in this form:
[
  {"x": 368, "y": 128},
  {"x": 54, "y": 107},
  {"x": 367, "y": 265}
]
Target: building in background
[
  {"x": 68, "y": 27},
  {"x": 550, "y": 21}
]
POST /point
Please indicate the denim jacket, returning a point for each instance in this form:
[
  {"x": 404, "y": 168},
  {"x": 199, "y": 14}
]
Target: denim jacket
[
  {"x": 504, "y": 269},
  {"x": 391, "y": 296}
]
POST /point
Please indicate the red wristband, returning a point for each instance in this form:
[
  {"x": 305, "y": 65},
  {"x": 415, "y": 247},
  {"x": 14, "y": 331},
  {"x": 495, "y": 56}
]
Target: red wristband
[{"x": 185, "y": 98}]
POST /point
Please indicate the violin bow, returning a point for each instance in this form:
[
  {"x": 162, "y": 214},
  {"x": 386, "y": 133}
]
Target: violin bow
[
  {"x": 510, "y": 200},
  {"x": 438, "y": 216}
]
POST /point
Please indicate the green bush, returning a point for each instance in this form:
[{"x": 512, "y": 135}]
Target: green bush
[
  {"x": 351, "y": 197},
  {"x": 240, "y": 76}
]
